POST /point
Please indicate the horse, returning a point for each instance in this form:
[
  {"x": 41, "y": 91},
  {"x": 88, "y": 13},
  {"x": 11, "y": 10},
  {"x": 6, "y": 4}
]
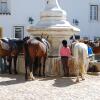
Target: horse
[
  {"x": 96, "y": 50},
  {"x": 80, "y": 53},
  {"x": 35, "y": 50},
  {"x": 9, "y": 49},
  {"x": 95, "y": 46}
]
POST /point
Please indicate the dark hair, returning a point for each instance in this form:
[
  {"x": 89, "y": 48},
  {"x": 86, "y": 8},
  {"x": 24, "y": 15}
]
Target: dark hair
[{"x": 64, "y": 42}]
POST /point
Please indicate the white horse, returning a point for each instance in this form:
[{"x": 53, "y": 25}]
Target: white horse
[{"x": 80, "y": 53}]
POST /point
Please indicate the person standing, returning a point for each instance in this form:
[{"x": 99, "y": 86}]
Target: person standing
[
  {"x": 65, "y": 53},
  {"x": 90, "y": 51}
]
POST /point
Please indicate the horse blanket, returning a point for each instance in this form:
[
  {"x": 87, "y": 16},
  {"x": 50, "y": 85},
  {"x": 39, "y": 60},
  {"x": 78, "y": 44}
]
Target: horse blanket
[
  {"x": 8, "y": 44},
  {"x": 4, "y": 44}
]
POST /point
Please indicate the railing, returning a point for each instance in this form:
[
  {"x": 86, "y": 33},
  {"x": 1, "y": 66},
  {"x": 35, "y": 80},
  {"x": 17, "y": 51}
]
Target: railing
[{"x": 6, "y": 12}]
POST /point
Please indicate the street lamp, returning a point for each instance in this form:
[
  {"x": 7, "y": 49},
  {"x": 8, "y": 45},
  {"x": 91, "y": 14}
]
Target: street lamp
[
  {"x": 30, "y": 20},
  {"x": 76, "y": 22}
]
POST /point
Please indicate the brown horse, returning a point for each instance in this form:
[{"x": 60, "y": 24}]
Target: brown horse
[
  {"x": 96, "y": 50},
  {"x": 94, "y": 44},
  {"x": 10, "y": 48},
  {"x": 35, "y": 50}
]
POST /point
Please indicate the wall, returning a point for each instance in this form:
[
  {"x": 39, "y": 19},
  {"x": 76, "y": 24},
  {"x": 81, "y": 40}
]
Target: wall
[
  {"x": 21, "y": 10},
  {"x": 80, "y": 9}
]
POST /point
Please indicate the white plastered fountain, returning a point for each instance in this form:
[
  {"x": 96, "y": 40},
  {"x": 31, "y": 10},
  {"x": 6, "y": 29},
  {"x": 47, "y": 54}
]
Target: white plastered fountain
[{"x": 54, "y": 24}]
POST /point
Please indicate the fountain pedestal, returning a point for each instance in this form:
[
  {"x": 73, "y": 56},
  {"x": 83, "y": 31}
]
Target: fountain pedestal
[{"x": 54, "y": 25}]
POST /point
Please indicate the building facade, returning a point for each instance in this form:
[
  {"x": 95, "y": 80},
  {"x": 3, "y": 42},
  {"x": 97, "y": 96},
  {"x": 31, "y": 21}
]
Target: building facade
[{"x": 17, "y": 15}]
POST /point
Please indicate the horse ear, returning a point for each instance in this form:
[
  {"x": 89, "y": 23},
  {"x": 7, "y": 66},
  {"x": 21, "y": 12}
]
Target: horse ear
[
  {"x": 26, "y": 38},
  {"x": 47, "y": 37},
  {"x": 42, "y": 35}
]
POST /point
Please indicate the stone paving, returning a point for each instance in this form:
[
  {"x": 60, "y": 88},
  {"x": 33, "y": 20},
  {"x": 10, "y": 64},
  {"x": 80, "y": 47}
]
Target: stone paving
[{"x": 14, "y": 87}]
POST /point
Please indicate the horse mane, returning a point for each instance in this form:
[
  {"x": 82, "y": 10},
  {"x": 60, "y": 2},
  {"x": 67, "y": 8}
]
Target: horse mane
[
  {"x": 38, "y": 38},
  {"x": 35, "y": 40},
  {"x": 46, "y": 42}
]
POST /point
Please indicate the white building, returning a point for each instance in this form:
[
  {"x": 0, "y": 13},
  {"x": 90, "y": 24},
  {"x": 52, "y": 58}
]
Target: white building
[{"x": 15, "y": 14}]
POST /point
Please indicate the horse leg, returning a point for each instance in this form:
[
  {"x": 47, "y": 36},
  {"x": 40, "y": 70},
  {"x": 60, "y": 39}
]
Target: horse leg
[
  {"x": 10, "y": 62},
  {"x": 31, "y": 73},
  {"x": 39, "y": 66},
  {"x": 77, "y": 72},
  {"x": 2, "y": 65},
  {"x": 15, "y": 60},
  {"x": 28, "y": 74},
  {"x": 82, "y": 71},
  {"x": 5, "y": 65},
  {"x": 44, "y": 60},
  {"x": 26, "y": 69},
  {"x": 35, "y": 66}
]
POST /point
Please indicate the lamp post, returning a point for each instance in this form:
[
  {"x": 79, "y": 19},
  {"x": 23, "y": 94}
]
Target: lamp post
[
  {"x": 30, "y": 20},
  {"x": 76, "y": 22}
]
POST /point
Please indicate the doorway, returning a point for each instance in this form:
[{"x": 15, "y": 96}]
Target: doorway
[{"x": 1, "y": 34}]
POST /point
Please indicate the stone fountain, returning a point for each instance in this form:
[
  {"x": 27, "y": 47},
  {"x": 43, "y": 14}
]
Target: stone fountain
[{"x": 54, "y": 25}]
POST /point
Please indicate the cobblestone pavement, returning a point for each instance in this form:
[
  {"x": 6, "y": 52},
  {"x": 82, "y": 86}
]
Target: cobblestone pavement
[{"x": 14, "y": 87}]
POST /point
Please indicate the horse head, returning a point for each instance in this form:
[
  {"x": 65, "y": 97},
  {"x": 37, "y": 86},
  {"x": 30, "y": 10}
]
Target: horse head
[
  {"x": 26, "y": 38},
  {"x": 45, "y": 39},
  {"x": 46, "y": 43}
]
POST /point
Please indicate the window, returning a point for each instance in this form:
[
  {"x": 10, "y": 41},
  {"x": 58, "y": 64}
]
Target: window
[
  {"x": 19, "y": 32},
  {"x": 4, "y": 7},
  {"x": 96, "y": 38},
  {"x": 94, "y": 12},
  {"x": 85, "y": 38}
]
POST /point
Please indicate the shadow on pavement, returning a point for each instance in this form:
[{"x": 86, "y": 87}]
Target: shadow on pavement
[
  {"x": 11, "y": 79},
  {"x": 60, "y": 81},
  {"x": 63, "y": 82}
]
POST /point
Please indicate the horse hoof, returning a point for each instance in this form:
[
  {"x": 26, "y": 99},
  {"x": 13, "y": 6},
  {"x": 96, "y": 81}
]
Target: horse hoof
[
  {"x": 77, "y": 80},
  {"x": 83, "y": 78},
  {"x": 39, "y": 75},
  {"x": 33, "y": 78},
  {"x": 10, "y": 72},
  {"x": 26, "y": 79},
  {"x": 44, "y": 75},
  {"x": 16, "y": 73}
]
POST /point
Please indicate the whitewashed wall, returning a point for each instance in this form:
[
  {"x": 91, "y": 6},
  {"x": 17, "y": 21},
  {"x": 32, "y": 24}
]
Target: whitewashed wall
[
  {"x": 80, "y": 9},
  {"x": 21, "y": 10}
]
